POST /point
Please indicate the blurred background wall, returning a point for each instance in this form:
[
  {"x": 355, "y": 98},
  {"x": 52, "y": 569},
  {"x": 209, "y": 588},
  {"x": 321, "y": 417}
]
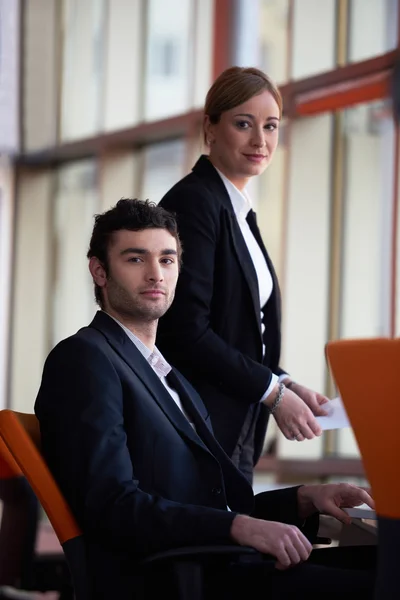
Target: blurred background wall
[{"x": 101, "y": 99}]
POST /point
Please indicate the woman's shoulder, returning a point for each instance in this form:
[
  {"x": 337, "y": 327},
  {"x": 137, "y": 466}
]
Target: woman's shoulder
[{"x": 193, "y": 193}]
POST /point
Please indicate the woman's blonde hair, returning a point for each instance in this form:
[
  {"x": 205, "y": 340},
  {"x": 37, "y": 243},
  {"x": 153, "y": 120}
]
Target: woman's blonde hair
[{"x": 235, "y": 86}]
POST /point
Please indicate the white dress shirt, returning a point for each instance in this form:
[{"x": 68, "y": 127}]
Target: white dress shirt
[
  {"x": 157, "y": 362},
  {"x": 241, "y": 204}
]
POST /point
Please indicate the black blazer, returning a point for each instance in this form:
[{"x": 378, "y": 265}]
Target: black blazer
[
  {"x": 212, "y": 332},
  {"x": 137, "y": 476}
]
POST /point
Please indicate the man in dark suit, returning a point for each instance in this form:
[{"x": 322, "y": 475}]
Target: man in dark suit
[{"x": 130, "y": 442}]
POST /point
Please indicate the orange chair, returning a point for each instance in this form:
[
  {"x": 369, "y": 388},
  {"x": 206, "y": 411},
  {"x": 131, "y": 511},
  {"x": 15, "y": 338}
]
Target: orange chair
[
  {"x": 18, "y": 525},
  {"x": 366, "y": 373},
  {"x": 21, "y": 435}
]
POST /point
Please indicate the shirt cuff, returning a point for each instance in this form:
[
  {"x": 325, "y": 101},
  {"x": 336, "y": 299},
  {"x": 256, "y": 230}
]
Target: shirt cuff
[{"x": 272, "y": 384}]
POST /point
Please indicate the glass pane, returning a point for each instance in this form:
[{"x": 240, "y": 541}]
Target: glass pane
[
  {"x": 168, "y": 58},
  {"x": 372, "y": 28},
  {"x": 305, "y": 287},
  {"x": 83, "y": 67},
  {"x": 314, "y": 37},
  {"x": 366, "y": 260},
  {"x": 274, "y": 31},
  {"x": 6, "y": 214},
  {"x": 368, "y": 192},
  {"x": 269, "y": 199},
  {"x": 32, "y": 269},
  {"x": 203, "y": 51},
  {"x": 163, "y": 167},
  {"x": 10, "y": 24},
  {"x": 124, "y": 50},
  {"x": 397, "y": 328},
  {"x": 75, "y": 205},
  {"x": 41, "y": 55}
]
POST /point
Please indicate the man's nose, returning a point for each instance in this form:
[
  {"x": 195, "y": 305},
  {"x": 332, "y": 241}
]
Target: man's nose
[{"x": 154, "y": 272}]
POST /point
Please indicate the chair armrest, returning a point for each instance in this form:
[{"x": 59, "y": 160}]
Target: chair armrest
[
  {"x": 187, "y": 565},
  {"x": 197, "y": 552}
]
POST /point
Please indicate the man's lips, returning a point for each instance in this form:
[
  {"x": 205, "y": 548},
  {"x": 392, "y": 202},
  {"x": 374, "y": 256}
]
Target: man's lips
[{"x": 153, "y": 292}]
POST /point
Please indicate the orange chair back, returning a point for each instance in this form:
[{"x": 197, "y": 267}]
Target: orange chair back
[
  {"x": 366, "y": 373},
  {"x": 8, "y": 466},
  {"x": 21, "y": 435}
]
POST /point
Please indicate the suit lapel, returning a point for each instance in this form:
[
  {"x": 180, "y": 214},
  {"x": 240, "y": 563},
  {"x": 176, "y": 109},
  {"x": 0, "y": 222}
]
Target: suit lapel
[
  {"x": 211, "y": 179},
  {"x": 252, "y": 221},
  {"x": 126, "y": 349},
  {"x": 246, "y": 264}
]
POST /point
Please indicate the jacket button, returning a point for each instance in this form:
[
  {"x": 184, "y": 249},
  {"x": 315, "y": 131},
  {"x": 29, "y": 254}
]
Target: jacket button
[{"x": 216, "y": 491}]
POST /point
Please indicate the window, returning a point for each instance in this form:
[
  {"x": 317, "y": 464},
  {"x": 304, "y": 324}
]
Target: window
[
  {"x": 6, "y": 203},
  {"x": 274, "y": 40},
  {"x": 397, "y": 287},
  {"x": 76, "y": 203},
  {"x": 269, "y": 200},
  {"x": 305, "y": 286},
  {"x": 124, "y": 54},
  {"x": 372, "y": 28},
  {"x": 169, "y": 58},
  {"x": 83, "y": 68},
  {"x": 9, "y": 73},
  {"x": 314, "y": 37},
  {"x": 163, "y": 166},
  {"x": 368, "y": 197}
]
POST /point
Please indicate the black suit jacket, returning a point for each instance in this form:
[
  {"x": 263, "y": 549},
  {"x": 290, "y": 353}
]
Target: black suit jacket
[
  {"x": 137, "y": 476},
  {"x": 212, "y": 332}
]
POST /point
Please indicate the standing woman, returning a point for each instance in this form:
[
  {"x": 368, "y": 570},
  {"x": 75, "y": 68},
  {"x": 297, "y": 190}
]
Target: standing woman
[{"x": 223, "y": 328}]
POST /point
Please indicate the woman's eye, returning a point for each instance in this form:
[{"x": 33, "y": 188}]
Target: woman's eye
[{"x": 242, "y": 124}]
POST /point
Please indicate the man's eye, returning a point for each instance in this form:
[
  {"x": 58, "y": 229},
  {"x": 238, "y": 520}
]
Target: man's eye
[
  {"x": 167, "y": 261},
  {"x": 134, "y": 259}
]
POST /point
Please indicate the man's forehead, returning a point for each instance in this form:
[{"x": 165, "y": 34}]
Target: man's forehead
[{"x": 151, "y": 239}]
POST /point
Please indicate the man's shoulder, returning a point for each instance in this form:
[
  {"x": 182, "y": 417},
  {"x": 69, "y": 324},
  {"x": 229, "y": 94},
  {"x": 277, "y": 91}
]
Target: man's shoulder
[{"x": 86, "y": 340}]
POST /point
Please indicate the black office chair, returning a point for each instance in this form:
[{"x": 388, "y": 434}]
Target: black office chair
[{"x": 21, "y": 434}]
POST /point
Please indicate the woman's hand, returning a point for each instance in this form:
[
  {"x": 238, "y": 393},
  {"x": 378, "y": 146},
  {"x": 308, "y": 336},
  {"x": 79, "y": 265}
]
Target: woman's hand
[
  {"x": 294, "y": 418},
  {"x": 313, "y": 400}
]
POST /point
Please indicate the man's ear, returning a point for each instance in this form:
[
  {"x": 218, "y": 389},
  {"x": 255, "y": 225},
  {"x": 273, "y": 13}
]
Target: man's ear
[{"x": 97, "y": 271}]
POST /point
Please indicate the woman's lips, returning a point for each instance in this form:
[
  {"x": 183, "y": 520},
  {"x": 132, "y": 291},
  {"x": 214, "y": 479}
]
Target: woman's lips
[{"x": 257, "y": 158}]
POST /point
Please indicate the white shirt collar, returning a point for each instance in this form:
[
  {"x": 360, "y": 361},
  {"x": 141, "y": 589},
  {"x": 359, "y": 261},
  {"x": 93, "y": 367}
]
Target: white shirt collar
[
  {"x": 240, "y": 200},
  {"x": 155, "y": 358}
]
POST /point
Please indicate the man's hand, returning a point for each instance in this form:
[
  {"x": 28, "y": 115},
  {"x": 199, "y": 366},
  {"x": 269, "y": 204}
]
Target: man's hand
[
  {"x": 285, "y": 542},
  {"x": 330, "y": 499},
  {"x": 313, "y": 400}
]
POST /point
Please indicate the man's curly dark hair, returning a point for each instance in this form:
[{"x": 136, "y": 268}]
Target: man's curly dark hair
[{"x": 131, "y": 214}]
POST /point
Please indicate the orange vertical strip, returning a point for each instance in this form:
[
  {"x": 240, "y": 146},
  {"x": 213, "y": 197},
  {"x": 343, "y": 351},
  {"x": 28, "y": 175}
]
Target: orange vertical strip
[{"x": 222, "y": 36}]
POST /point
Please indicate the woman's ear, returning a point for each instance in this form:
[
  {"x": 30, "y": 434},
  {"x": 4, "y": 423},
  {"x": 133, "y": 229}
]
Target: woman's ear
[{"x": 208, "y": 127}]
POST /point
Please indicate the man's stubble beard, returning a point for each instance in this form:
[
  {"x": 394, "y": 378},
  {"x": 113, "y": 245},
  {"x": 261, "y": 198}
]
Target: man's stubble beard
[{"x": 122, "y": 303}]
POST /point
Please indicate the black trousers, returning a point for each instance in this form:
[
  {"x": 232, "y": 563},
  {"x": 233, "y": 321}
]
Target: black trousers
[{"x": 343, "y": 573}]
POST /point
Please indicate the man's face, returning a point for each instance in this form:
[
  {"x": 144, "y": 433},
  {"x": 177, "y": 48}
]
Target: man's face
[{"x": 142, "y": 276}]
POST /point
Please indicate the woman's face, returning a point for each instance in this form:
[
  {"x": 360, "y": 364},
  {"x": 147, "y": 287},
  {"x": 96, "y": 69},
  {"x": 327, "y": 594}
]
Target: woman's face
[{"x": 244, "y": 140}]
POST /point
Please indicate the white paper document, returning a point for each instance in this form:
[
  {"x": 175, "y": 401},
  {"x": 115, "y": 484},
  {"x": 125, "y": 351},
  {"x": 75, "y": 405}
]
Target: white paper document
[
  {"x": 361, "y": 512},
  {"x": 337, "y": 417}
]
